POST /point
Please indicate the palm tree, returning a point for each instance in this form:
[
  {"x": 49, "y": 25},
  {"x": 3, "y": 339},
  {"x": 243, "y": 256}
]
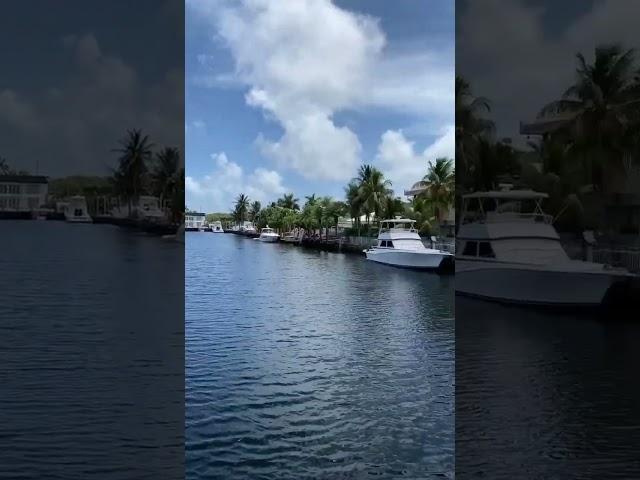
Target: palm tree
[
  {"x": 353, "y": 203},
  {"x": 135, "y": 152},
  {"x": 373, "y": 190},
  {"x": 310, "y": 199},
  {"x": 4, "y": 166},
  {"x": 241, "y": 208},
  {"x": 254, "y": 211},
  {"x": 288, "y": 201},
  {"x": 166, "y": 176},
  {"x": 439, "y": 183},
  {"x": 392, "y": 207},
  {"x": 599, "y": 107},
  {"x": 471, "y": 127}
]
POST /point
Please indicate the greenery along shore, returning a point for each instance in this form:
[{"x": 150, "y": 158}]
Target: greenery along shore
[
  {"x": 368, "y": 198},
  {"x": 143, "y": 168},
  {"x": 587, "y": 146}
]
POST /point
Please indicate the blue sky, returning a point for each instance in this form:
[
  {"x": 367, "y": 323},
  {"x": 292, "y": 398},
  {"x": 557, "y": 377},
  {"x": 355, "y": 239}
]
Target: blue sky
[{"x": 293, "y": 96}]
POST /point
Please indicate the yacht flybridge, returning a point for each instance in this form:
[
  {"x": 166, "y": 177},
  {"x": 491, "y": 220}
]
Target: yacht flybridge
[
  {"x": 508, "y": 250},
  {"x": 400, "y": 245}
]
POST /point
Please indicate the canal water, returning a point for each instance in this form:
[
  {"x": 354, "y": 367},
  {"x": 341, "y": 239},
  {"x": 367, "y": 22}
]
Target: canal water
[
  {"x": 303, "y": 364},
  {"x": 91, "y": 352},
  {"x": 544, "y": 395}
]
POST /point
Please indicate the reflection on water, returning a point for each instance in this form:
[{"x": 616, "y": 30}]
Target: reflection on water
[
  {"x": 91, "y": 353},
  {"x": 312, "y": 365},
  {"x": 542, "y": 395}
]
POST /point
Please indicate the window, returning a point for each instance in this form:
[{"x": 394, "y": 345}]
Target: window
[
  {"x": 390, "y": 244},
  {"x": 470, "y": 249},
  {"x": 383, "y": 243},
  {"x": 3, "y": 189},
  {"x": 485, "y": 250}
]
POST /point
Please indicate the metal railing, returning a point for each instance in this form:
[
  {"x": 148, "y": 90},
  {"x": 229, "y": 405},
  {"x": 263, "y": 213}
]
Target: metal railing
[
  {"x": 629, "y": 259},
  {"x": 492, "y": 217}
]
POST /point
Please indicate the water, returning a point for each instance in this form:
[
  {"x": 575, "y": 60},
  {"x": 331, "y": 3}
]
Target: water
[
  {"x": 91, "y": 353},
  {"x": 304, "y": 364},
  {"x": 543, "y": 395}
]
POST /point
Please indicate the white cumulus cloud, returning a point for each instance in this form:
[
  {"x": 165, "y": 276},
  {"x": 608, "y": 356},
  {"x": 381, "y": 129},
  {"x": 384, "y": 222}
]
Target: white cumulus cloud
[
  {"x": 402, "y": 164},
  {"x": 216, "y": 191}
]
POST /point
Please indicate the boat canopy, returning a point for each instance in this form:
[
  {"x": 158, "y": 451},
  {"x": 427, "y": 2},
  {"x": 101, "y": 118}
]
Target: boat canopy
[
  {"x": 504, "y": 206},
  {"x": 508, "y": 195}
]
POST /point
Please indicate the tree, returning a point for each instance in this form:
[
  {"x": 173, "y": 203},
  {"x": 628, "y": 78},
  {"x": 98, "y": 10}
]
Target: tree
[
  {"x": 392, "y": 207},
  {"x": 353, "y": 203},
  {"x": 599, "y": 108},
  {"x": 4, "y": 166},
  {"x": 471, "y": 127},
  {"x": 168, "y": 179},
  {"x": 439, "y": 183},
  {"x": 310, "y": 199},
  {"x": 254, "y": 211},
  {"x": 241, "y": 208},
  {"x": 129, "y": 177},
  {"x": 288, "y": 201},
  {"x": 373, "y": 190}
]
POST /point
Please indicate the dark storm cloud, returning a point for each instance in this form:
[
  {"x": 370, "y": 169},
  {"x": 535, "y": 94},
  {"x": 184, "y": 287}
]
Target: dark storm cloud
[
  {"x": 521, "y": 54},
  {"x": 78, "y": 84}
]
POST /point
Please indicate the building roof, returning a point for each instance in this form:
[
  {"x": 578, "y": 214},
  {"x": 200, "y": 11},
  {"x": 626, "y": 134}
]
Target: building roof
[{"x": 23, "y": 179}]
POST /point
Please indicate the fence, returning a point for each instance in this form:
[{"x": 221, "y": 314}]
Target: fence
[{"x": 629, "y": 259}]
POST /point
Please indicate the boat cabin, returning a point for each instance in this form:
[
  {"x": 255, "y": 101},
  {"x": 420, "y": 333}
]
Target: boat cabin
[
  {"x": 508, "y": 226},
  {"x": 399, "y": 233}
]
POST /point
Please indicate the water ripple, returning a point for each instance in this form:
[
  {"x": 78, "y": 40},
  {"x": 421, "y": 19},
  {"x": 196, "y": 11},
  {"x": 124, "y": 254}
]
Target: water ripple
[{"x": 309, "y": 365}]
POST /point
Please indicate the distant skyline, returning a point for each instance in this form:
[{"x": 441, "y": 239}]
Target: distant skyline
[{"x": 278, "y": 102}]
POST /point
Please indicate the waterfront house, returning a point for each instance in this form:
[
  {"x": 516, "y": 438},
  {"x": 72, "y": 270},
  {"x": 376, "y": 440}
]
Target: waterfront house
[
  {"x": 194, "y": 221},
  {"x": 23, "y": 193}
]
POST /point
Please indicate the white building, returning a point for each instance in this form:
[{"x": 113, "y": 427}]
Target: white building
[
  {"x": 23, "y": 193},
  {"x": 194, "y": 221}
]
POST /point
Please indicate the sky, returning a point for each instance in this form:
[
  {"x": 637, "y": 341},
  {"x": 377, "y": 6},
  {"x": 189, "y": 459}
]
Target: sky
[
  {"x": 84, "y": 74},
  {"x": 520, "y": 54},
  {"x": 295, "y": 95}
]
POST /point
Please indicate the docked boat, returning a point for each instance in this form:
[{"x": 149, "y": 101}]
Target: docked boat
[
  {"x": 268, "y": 235},
  {"x": 216, "y": 227},
  {"x": 75, "y": 210},
  {"x": 146, "y": 207},
  {"x": 509, "y": 251},
  {"x": 400, "y": 245}
]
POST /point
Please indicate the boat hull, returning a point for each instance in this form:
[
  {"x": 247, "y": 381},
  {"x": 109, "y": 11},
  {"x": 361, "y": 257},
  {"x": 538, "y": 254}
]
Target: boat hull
[
  {"x": 407, "y": 259},
  {"x": 79, "y": 219},
  {"x": 268, "y": 239},
  {"x": 534, "y": 286}
]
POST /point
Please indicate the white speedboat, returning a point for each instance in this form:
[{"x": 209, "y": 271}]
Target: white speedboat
[
  {"x": 508, "y": 251},
  {"x": 75, "y": 211},
  {"x": 400, "y": 245},
  {"x": 268, "y": 235},
  {"x": 216, "y": 227}
]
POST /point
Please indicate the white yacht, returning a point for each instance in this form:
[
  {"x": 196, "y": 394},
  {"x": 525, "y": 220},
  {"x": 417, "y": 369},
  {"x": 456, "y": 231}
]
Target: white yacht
[
  {"x": 268, "y": 235},
  {"x": 216, "y": 227},
  {"x": 400, "y": 245},
  {"x": 75, "y": 211},
  {"x": 508, "y": 251}
]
